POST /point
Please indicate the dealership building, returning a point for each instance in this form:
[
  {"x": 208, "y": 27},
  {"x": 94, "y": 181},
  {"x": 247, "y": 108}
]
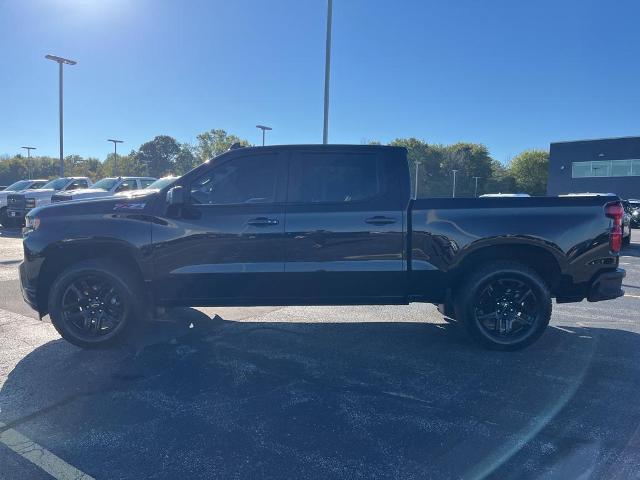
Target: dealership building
[{"x": 597, "y": 166}]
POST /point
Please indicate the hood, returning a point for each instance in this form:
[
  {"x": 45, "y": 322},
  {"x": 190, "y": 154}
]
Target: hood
[
  {"x": 96, "y": 206},
  {"x": 86, "y": 191},
  {"x": 36, "y": 191},
  {"x": 137, "y": 193}
]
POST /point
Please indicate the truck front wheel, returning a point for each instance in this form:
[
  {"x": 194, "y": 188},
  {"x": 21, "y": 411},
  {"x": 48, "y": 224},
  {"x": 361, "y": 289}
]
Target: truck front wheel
[
  {"x": 93, "y": 303},
  {"x": 504, "y": 305}
]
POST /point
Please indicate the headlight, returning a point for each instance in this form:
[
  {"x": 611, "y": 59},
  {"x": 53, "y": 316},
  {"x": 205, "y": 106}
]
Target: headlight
[
  {"x": 636, "y": 213},
  {"x": 30, "y": 224},
  {"x": 30, "y": 203}
]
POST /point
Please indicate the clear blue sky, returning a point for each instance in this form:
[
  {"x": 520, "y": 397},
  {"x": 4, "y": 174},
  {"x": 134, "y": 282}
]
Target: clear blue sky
[{"x": 510, "y": 74}]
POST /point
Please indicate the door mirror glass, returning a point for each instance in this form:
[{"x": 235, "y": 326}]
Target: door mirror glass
[{"x": 175, "y": 196}]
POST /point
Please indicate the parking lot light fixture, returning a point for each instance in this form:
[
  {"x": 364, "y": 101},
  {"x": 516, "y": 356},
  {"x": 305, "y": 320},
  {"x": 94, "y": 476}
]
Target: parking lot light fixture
[
  {"x": 61, "y": 62},
  {"x": 263, "y": 128},
  {"x": 115, "y": 153},
  {"x": 28, "y": 149}
]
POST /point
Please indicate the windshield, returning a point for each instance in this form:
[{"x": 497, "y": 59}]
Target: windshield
[
  {"x": 20, "y": 185},
  {"x": 105, "y": 183},
  {"x": 56, "y": 184},
  {"x": 161, "y": 183}
]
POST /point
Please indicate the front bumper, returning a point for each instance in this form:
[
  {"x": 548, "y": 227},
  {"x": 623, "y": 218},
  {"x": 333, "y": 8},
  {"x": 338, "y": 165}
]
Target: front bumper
[
  {"x": 28, "y": 290},
  {"x": 607, "y": 286}
]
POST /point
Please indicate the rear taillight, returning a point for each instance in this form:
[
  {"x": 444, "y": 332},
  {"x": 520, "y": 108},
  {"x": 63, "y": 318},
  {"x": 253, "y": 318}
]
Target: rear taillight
[{"x": 616, "y": 212}]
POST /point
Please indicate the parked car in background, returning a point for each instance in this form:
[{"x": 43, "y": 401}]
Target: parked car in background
[
  {"x": 13, "y": 188},
  {"x": 159, "y": 184},
  {"x": 318, "y": 225},
  {"x": 506, "y": 195},
  {"x": 20, "y": 203},
  {"x": 104, "y": 188},
  {"x": 633, "y": 209}
]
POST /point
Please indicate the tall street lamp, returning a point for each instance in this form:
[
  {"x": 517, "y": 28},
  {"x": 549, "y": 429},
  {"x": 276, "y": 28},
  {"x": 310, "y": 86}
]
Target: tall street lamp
[
  {"x": 327, "y": 70},
  {"x": 61, "y": 61},
  {"x": 28, "y": 149},
  {"x": 454, "y": 182},
  {"x": 475, "y": 193},
  {"x": 416, "y": 189},
  {"x": 263, "y": 128},
  {"x": 115, "y": 153}
]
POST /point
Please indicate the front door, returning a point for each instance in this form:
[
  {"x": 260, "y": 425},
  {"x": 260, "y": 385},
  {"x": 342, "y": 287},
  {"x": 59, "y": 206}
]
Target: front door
[{"x": 227, "y": 246}]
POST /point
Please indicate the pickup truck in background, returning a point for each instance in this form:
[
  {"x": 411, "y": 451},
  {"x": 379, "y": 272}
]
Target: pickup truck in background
[
  {"x": 20, "y": 203},
  {"x": 156, "y": 186},
  {"x": 104, "y": 188},
  {"x": 13, "y": 188},
  {"x": 318, "y": 225}
]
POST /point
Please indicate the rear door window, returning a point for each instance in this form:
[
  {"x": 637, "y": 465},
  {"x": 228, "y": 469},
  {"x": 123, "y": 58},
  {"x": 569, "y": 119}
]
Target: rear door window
[{"x": 335, "y": 178}]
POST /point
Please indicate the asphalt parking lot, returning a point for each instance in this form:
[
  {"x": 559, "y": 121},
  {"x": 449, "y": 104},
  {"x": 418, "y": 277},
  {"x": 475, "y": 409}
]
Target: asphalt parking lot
[{"x": 331, "y": 392}]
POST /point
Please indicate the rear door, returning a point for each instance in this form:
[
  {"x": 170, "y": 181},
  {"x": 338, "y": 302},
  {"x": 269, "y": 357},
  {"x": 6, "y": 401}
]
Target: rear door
[
  {"x": 344, "y": 235},
  {"x": 227, "y": 246}
]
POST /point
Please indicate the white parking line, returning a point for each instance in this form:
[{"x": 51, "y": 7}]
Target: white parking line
[{"x": 40, "y": 456}]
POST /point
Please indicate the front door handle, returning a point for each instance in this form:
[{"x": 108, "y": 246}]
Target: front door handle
[
  {"x": 380, "y": 220},
  {"x": 262, "y": 221}
]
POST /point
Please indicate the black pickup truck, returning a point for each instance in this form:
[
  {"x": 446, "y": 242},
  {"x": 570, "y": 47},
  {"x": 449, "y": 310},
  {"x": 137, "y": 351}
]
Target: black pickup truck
[{"x": 317, "y": 225}]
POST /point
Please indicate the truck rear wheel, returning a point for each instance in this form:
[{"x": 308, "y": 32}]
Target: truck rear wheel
[
  {"x": 94, "y": 302},
  {"x": 504, "y": 305}
]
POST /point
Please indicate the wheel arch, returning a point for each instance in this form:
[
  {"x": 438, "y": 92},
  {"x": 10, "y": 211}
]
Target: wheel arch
[
  {"x": 62, "y": 255},
  {"x": 543, "y": 260}
]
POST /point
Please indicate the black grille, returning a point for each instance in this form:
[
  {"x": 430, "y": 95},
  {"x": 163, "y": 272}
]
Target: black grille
[
  {"x": 15, "y": 201},
  {"x": 60, "y": 198}
]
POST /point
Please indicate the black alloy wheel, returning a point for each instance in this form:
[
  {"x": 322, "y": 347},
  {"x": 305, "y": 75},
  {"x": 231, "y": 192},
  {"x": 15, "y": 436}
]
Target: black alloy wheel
[
  {"x": 506, "y": 308},
  {"x": 504, "y": 305},
  {"x": 92, "y": 307}
]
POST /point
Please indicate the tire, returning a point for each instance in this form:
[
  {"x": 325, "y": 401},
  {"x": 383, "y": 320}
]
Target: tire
[
  {"x": 504, "y": 305},
  {"x": 102, "y": 320}
]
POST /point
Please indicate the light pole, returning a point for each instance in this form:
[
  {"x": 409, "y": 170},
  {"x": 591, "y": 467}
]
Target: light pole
[
  {"x": 454, "y": 182},
  {"x": 263, "y": 128},
  {"x": 115, "y": 153},
  {"x": 416, "y": 189},
  {"x": 28, "y": 149},
  {"x": 327, "y": 70},
  {"x": 61, "y": 61},
  {"x": 475, "y": 193}
]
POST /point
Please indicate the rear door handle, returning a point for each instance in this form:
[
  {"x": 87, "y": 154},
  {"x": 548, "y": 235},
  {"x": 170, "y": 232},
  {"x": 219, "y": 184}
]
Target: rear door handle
[
  {"x": 380, "y": 220},
  {"x": 262, "y": 221}
]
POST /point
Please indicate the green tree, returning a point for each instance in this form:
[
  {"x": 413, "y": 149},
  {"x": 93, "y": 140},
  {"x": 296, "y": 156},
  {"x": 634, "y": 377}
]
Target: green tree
[
  {"x": 158, "y": 155},
  {"x": 214, "y": 142},
  {"x": 185, "y": 160},
  {"x": 530, "y": 170},
  {"x": 500, "y": 180},
  {"x": 470, "y": 160}
]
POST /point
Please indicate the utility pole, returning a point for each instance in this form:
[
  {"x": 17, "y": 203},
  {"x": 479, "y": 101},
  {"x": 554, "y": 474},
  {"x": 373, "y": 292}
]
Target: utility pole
[
  {"x": 475, "y": 193},
  {"x": 28, "y": 149},
  {"x": 61, "y": 61},
  {"x": 115, "y": 153},
  {"x": 454, "y": 182},
  {"x": 263, "y": 128},
  {"x": 327, "y": 70},
  {"x": 416, "y": 189}
]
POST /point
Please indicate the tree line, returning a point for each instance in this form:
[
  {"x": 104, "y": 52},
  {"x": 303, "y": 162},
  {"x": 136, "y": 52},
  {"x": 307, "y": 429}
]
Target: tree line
[{"x": 163, "y": 155}]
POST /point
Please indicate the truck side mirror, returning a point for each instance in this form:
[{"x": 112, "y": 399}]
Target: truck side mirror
[{"x": 175, "y": 196}]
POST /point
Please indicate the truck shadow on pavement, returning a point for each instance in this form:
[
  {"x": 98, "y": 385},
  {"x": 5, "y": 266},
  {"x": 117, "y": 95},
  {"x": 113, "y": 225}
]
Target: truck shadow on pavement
[{"x": 210, "y": 398}]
